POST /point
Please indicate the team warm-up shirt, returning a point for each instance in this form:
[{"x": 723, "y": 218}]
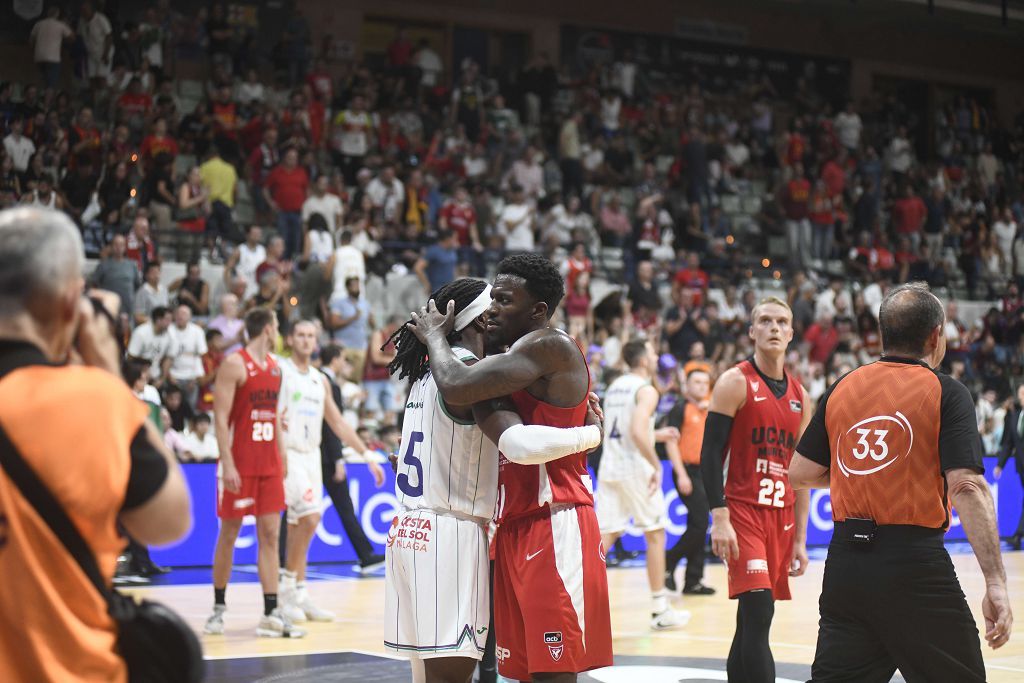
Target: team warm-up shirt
[
  {"x": 253, "y": 419},
  {"x": 301, "y": 401},
  {"x": 445, "y": 464},
  {"x": 762, "y": 441},
  {"x": 525, "y": 489},
  {"x": 888, "y": 431},
  {"x": 621, "y": 459}
]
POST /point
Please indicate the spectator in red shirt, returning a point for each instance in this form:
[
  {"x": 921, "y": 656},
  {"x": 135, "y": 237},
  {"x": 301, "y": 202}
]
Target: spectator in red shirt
[
  {"x": 157, "y": 143},
  {"x": 834, "y": 175},
  {"x": 139, "y": 246},
  {"x": 133, "y": 105},
  {"x": 821, "y": 339},
  {"x": 320, "y": 80},
  {"x": 400, "y": 49},
  {"x": 908, "y": 216},
  {"x": 285, "y": 191},
  {"x": 691, "y": 277},
  {"x": 796, "y": 195},
  {"x": 262, "y": 160},
  {"x": 822, "y": 221},
  {"x": 459, "y": 216}
]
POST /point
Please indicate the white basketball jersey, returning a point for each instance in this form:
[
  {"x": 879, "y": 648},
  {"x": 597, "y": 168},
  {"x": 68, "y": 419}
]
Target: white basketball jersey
[
  {"x": 620, "y": 458},
  {"x": 445, "y": 464},
  {"x": 300, "y": 401}
]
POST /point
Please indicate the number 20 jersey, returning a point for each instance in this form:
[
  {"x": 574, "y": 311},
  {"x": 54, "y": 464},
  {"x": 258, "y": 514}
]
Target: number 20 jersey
[
  {"x": 253, "y": 419},
  {"x": 761, "y": 444},
  {"x": 444, "y": 464}
]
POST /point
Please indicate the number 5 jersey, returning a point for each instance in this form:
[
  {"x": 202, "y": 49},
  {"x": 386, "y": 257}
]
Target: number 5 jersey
[{"x": 445, "y": 464}]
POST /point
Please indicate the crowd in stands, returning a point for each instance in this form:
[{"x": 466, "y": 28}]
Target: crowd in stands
[{"x": 346, "y": 193}]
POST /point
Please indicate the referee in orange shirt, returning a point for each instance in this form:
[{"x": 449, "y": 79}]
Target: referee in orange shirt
[{"x": 897, "y": 443}]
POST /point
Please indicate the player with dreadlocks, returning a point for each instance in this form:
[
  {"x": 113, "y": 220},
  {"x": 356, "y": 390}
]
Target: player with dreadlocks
[{"x": 447, "y": 488}]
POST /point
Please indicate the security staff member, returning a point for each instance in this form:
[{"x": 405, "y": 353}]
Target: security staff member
[
  {"x": 1012, "y": 446},
  {"x": 897, "y": 443}
]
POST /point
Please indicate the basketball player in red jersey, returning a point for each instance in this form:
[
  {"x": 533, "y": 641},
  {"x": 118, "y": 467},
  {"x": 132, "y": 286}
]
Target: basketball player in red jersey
[
  {"x": 252, "y": 468},
  {"x": 550, "y": 587},
  {"x": 755, "y": 418}
]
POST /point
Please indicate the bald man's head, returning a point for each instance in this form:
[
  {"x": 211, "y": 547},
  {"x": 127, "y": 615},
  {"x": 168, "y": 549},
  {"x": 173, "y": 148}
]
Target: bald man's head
[{"x": 908, "y": 316}]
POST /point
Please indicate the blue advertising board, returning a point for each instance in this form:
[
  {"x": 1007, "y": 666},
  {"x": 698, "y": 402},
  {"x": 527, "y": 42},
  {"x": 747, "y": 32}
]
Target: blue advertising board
[{"x": 376, "y": 507}]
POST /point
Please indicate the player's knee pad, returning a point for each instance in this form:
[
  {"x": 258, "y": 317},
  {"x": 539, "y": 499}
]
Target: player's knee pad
[{"x": 757, "y": 608}]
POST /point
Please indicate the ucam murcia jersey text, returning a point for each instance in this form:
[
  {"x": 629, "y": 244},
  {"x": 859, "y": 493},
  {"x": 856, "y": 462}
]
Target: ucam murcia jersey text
[
  {"x": 445, "y": 464},
  {"x": 761, "y": 444},
  {"x": 253, "y": 418},
  {"x": 621, "y": 459},
  {"x": 301, "y": 402}
]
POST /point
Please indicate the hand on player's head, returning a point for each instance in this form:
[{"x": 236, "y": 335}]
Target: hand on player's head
[{"x": 430, "y": 321}]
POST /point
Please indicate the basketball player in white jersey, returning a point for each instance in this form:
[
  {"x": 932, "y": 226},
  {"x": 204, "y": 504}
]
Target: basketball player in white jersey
[
  {"x": 304, "y": 403},
  {"x": 629, "y": 476},
  {"x": 437, "y": 604}
]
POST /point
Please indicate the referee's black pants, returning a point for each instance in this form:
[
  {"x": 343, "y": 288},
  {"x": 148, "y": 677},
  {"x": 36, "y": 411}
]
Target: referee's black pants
[
  {"x": 894, "y": 604},
  {"x": 693, "y": 541},
  {"x": 342, "y": 499}
]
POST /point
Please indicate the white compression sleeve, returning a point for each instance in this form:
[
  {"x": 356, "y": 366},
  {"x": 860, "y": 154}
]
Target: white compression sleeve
[{"x": 536, "y": 444}]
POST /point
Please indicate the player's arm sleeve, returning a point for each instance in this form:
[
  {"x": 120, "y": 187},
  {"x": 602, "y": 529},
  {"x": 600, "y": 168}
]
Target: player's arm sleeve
[
  {"x": 712, "y": 451},
  {"x": 536, "y": 444},
  {"x": 814, "y": 444},
  {"x": 960, "y": 444},
  {"x": 148, "y": 471}
]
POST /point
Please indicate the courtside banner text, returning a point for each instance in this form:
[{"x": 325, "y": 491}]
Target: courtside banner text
[{"x": 375, "y": 508}]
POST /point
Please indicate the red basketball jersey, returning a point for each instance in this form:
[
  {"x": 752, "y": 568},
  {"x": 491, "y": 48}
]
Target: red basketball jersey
[
  {"x": 525, "y": 489},
  {"x": 253, "y": 419},
  {"x": 763, "y": 437}
]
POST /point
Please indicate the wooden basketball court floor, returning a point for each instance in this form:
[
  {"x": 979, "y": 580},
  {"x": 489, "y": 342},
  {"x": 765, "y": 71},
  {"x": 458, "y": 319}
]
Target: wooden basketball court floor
[{"x": 664, "y": 656}]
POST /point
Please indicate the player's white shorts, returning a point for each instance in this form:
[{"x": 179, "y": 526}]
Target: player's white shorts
[
  {"x": 304, "y": 485},
  {"x": 437, "y": 586},
  {"x": 616, "y": 501}
]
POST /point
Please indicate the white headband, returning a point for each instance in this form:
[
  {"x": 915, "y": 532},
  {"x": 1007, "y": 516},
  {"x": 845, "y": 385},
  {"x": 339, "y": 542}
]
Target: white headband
[{"x": 471, "y": 312}]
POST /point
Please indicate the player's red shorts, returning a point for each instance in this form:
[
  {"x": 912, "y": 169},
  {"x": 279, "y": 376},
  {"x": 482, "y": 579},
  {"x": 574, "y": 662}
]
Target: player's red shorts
[
  {"x": 257, "y": 496},
  {"x": 551, "y": 594},
  {"x": 765, "y": 535}
]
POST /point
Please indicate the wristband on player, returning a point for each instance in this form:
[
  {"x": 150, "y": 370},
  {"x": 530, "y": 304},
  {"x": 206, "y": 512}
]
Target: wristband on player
[
  {"x": 716, "y": 439},
  {"x": 537, "y": 444}
]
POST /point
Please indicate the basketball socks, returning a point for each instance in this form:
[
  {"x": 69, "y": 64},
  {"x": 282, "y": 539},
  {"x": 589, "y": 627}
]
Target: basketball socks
[
  {"x": 750, "y": 658},
  {"x": 218, "y": 595},
  {"x": 660, "y": 601},
  {"x": 287, "y": 580},
  {"x": 269, "y": 603}
]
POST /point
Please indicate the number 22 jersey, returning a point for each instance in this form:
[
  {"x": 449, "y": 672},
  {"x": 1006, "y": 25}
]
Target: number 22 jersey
[
  {"x": 445, "y": 464},
  {"x": 761, "y": 444},
  {"x": 253, "y": 419}
]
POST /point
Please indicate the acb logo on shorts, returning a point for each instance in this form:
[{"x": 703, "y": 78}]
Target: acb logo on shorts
[
  {"x": 873, "y": 444},
  {"x": 553, "y": 639}
]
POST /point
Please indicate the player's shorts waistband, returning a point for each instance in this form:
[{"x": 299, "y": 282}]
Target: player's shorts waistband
[
  {"x": 482, "y": 521},
  {"x": 894, "y": 535},
  {"x": 546, "y": 510}
]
